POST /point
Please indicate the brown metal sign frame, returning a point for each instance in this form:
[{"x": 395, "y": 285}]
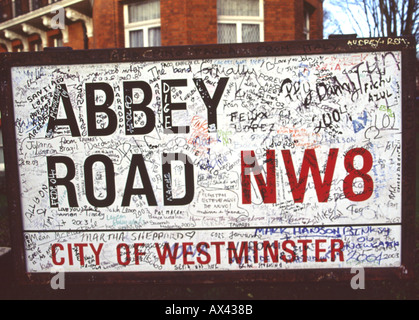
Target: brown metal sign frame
[{"x": 405, "y": 45}]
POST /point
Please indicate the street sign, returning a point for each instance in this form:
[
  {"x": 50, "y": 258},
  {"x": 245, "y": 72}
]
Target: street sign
[{"x": 256, "y": 161}]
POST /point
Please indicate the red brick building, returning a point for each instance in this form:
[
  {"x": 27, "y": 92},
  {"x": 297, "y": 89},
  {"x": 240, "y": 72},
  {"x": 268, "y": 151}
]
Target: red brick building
[{"x": 31, "y": 25}]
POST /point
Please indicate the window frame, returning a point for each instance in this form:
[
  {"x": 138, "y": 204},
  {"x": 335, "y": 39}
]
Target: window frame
[
  {"x": 36, "y": 45},
  {"x": 240, "y": 20},
  {"x": 139, "y": 25},
  {"x": 58, "y": 40},
  {"x": 306, "y": 23}
]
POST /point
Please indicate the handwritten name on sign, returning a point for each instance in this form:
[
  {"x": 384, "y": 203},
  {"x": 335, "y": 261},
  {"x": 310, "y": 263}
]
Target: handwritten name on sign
[{"x": 218, "y": 164}]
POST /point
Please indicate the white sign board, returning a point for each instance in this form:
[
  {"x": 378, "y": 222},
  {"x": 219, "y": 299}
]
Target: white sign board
[{"x": 263, "y": 163}]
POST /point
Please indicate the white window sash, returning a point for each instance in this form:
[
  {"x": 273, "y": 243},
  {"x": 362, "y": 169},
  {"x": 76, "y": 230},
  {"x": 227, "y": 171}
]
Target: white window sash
[
  {"x": 240, "y": 20},
  {"x": 306, "y": 27},
  {"x": 144, "y": 28},
  {"x": 239, "y": 28},
  {"x": 261, "y": 12},
  {"x": 141, "y": 25}
]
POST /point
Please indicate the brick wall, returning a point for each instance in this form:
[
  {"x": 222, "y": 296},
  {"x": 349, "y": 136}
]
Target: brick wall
[
  {"x": 316, "y": 19},
  {"x": 188, "y": 22},
  {"x": 108, "y": 25},
  {"x": 284, "y": 20},
  {"x": 76, "y": 35},
  {"x": 173, "y": 22},
  {"x": 192, "y": 22},
  {"x": 195, "y": 22},
  {"x": 279, "y": 20},
  {"x": 51, "y": 34},
  {"x": 202, "y": 21}
]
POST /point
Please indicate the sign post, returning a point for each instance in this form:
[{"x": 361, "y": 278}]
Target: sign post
[{"x": 270, "y": 161}]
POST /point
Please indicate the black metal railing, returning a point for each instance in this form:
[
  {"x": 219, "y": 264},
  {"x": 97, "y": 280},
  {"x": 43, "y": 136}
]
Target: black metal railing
[
  {"x": 10, "y": 9},
  {"x": 6, "y": 10},
  {"x": 36, "y": 4}
]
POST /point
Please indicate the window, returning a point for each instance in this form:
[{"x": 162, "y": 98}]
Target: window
[
  {"x": 142, "y": 24},
  {"x": 17, "y": 8},
  {"x": 308, "y": 11},
  {"x": 306, "y": 26},
  {"x": 18, "y": 48},
  {"x": 240, "y": 21},
  {"x": 5, "y": 10},
  {"x": 35, "y": 46},
  {"x": 58, "y": 41},
  {"x": 1, "y": 155},
  {"x": 36, "y": 4}
]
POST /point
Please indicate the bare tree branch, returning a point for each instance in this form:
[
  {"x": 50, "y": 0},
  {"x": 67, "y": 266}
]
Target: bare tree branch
[
  {"x": 382, "y": 17},
  {"x": 352, "y": 16}
]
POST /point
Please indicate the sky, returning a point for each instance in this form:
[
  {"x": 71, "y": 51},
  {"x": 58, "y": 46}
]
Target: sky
[{"x": 341, "y": 18}]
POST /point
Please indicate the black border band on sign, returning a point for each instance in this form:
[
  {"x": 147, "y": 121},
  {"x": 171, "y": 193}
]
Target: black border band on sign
[{"x": 406, "y": 45}]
